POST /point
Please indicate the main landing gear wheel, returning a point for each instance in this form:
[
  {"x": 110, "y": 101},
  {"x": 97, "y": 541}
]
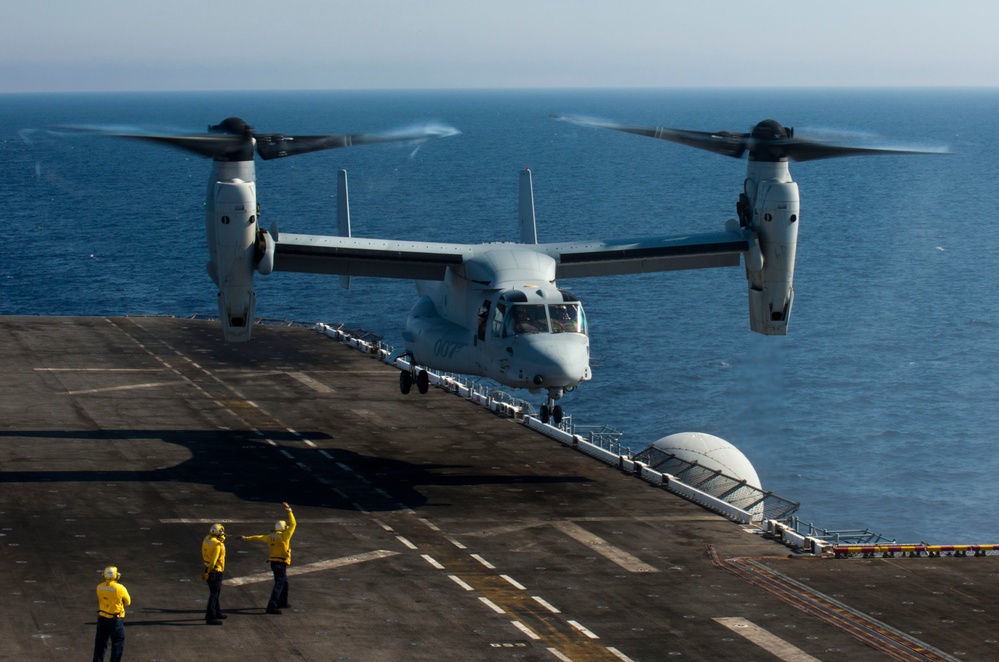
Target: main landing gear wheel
[
  {"x": 553, "y": 414},
  {"x": 406, "y": 380}
]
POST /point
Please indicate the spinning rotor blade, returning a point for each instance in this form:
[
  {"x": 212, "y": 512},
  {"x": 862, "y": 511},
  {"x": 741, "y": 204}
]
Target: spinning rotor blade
[
  {"x": 808, "y": 150},
  {"x": 234, "y": 140},
  {"x": 215, "y": 147},
  {"x": 769, "y": 141},
  {"x": 277, "y": 145},
  {"x": 729, "y": 144},
  {"x": 212, "y": 145}
]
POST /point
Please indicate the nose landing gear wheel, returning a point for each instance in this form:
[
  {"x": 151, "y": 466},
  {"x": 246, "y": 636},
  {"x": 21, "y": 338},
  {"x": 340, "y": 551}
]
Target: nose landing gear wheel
[
  {"x": 545, "y": 414},
  {"x": 422, "y": 381},
  {"x": 405, "y": 382}
]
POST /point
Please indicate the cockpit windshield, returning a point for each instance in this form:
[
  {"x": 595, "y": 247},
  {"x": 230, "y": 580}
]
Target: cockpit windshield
[
  {"x": 544, "y": 318},
  {"x": 567, "y": 318}
]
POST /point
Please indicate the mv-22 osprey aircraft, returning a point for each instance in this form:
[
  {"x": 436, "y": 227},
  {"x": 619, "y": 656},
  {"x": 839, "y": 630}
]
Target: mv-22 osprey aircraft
[{"x": 494, "y": 310}]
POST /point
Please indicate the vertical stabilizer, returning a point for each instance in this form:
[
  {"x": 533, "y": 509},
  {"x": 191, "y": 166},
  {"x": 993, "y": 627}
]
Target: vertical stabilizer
[
  {"x": 342, "y": 216},
  {"x": 528, "y": 228}
]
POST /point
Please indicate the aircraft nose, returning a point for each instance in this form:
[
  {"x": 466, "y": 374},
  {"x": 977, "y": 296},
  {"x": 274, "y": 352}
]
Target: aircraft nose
[{"x": 554, "y": 361}]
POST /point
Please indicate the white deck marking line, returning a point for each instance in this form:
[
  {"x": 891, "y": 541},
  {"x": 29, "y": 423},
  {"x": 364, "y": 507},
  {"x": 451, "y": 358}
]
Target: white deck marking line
[
  {"x": 344, "y": 466},
  {"x": 766, "y": 640},
  {"x": 313, "y": 567},
  {"x": 616, "y": 653},
  {"x": 492, "y": 605},
  {"x": 310, "y": 443},
  {"x": 292, "y": 431},
  {"x": 430, "y": 525},
  {"x": 559, "y": 654},
  {"x": 326, "y": 454},
  {"x": 432, "y": 561},
  {"x": 287, "y": 454},
  {"x": 514, "y": 582},
  {"x": 405, "y": 542},
  {"x": 579, "y": 626},
  {"x": 544, "y": 603},
  {"x": 483, "y": 561},
  {"x": 460, "y": 582},
  {"x": 382, "y": 524},
  {"x": 98, "y": 369},
  {"x": 627, "y": 561},
  {"x": 311, "y": 382},
  {"x": 454, "y": 542},
  {"x": 526, "y": 630},
  {"x": 110, "y": 389}
]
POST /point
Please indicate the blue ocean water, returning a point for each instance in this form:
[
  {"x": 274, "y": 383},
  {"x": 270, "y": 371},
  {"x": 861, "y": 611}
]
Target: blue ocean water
[{"x": 877, "y": 411}]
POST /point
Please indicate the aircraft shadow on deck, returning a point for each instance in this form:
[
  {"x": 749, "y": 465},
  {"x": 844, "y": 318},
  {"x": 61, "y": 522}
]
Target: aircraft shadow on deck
[{"x": 249, "y": 469}]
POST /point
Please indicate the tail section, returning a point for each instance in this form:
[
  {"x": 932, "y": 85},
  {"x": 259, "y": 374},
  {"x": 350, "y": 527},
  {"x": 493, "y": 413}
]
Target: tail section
[
  {"x": 528, "y": 227},
  {"x": 342, "y": 216}
]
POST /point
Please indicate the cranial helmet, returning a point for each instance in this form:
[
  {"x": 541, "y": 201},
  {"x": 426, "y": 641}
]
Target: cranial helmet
[
  {"x": 111, "y": 573},
  {"x": 280, "y": 525},
  {"x": 217, "y": 530}
]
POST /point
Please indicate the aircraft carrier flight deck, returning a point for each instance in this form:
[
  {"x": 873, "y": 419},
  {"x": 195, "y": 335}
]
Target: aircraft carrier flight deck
[{"x": 428, "y": 528}]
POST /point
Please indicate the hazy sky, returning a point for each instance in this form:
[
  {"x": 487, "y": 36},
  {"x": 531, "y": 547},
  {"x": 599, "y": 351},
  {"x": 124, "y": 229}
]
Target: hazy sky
[{"x": 70, "y": 45}]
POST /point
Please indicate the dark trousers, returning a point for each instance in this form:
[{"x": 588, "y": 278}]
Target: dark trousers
[
  {"x": 113, "y": 629},
  {"x": 279, "y": 596},
  {"x": 214, "y": 611}
]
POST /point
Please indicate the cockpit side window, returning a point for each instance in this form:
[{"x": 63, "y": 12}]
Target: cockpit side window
[
  {"x": 483, "y": 319},
  {"x": 499, "y": 312}
]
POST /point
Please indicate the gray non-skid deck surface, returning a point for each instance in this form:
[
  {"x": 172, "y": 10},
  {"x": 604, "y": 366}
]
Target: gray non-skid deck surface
[{"x": 429, "y": 528}]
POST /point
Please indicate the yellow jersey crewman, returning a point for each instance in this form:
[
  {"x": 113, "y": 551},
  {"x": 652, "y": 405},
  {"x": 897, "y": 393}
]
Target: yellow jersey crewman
[
  {"x": 279, "y": 541},
  {"x": 112, "y": 598},
  {"x": 213, "y": 554}
]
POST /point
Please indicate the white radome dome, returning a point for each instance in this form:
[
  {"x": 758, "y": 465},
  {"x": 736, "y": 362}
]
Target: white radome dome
[{"x": 710, "y": 452}]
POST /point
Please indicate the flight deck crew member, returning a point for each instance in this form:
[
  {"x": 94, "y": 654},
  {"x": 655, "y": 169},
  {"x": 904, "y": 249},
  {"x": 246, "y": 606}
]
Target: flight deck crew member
[
  {"x": 213, "y": 554},
  {"x": 279, "y": 542},
  {"x": 112, "y": 598}
]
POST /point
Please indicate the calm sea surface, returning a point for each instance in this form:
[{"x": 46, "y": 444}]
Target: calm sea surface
[{"x": 878, "y": 410}]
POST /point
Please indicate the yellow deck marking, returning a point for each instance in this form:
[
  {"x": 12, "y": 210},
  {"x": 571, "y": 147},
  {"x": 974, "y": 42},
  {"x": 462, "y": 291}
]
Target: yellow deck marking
[{"x": 313, "y": 567}]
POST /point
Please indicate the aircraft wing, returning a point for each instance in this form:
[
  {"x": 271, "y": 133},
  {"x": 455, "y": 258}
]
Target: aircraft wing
[
  {"x": 580, "y": 259},
  {"x": 419, "y": 260},
  {"x": 357, "y": 256}
]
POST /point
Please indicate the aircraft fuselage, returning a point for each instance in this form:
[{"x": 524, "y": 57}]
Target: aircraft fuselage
[{"x": 500, "y": 315}]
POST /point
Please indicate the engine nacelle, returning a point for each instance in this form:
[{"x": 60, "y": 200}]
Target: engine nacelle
[
  {"x": 773, "y": 242},
  {"x": 232, "y": 243}
]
